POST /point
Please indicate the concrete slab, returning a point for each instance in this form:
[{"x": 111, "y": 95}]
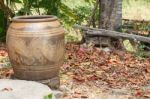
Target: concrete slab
[{"x": 21, "y": 89}]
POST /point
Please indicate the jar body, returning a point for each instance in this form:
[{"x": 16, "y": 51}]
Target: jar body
[{"x": 35, "y": 48}]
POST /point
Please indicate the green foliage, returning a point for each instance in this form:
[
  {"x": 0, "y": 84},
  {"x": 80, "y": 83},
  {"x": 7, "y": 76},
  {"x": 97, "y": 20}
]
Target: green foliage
[
  {"x": 2, "y": 25},
  {"x": 17, "y": 1},
  {"x": 1, "y": 21},
  {"x": 83, "y": 13},
  {"x": 70, "y": 38},
  {"x": 64, "y": 12},
  {"x": 48, "y": 96},
  {"x": 142, "y": 54},
  {"x": 67, "y": 16},
  {"x": 65, "y": 9},
  {"x": 50, "y": 6}
]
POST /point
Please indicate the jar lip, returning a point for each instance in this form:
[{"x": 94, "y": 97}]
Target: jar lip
[{"x": 34, "y": 18}]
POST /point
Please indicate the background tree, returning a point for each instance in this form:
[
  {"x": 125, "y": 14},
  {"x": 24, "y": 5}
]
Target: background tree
[
  {"x": 110, "y": 14},
  {"x": 110, "y": 19}
]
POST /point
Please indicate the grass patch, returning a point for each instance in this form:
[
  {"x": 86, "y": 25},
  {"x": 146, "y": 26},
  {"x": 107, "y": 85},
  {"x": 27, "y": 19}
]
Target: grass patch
[{"x": 136, "y": 9}]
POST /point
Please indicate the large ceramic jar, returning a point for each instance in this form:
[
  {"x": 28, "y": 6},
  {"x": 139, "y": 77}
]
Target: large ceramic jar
[{"x": 35, "y": 47}]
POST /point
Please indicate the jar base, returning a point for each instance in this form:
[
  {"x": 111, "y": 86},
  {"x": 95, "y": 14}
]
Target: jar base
[{"x": 53, "y": 83}]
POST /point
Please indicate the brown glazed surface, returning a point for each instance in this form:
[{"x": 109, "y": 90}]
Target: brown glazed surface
[{"x": 35, "y": 47}]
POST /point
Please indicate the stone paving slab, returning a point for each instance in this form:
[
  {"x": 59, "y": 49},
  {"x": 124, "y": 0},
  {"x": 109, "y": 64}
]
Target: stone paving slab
[{"x": 21, "y": 89}]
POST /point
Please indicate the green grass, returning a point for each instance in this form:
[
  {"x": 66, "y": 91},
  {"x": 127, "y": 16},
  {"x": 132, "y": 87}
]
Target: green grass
[
  {"x": 136, "y": 9},
  {"x": 75, "y": 3},
  {"x": 128, "y": 46}
]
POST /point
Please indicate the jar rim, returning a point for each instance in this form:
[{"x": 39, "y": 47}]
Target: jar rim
[{"x": 34, "y": 18}]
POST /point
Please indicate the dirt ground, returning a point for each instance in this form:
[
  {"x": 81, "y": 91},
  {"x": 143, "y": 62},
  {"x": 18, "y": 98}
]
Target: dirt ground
[{"x": 94, "y": 73}]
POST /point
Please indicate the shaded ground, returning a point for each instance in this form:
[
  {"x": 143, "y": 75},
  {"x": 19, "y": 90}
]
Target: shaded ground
[{"x": 93, "y": 73}]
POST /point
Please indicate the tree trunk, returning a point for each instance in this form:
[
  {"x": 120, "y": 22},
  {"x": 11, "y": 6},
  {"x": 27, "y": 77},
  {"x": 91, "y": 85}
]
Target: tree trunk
[
  {"x": 111, "y": 19},
  {"x": 111, "y": 14}
]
